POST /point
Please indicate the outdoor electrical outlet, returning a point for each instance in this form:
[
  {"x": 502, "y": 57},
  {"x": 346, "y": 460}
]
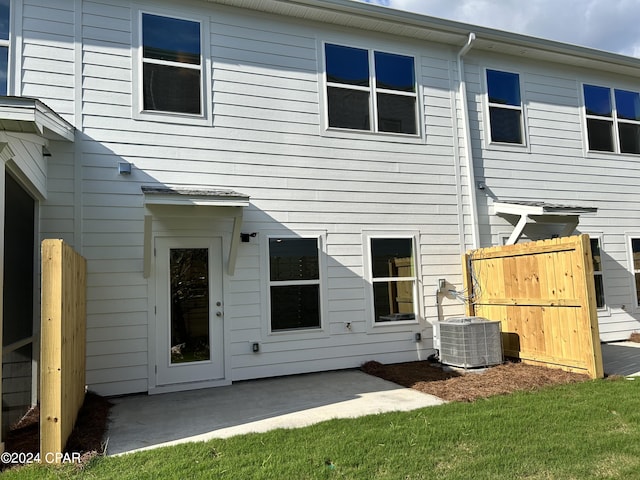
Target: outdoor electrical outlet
[
  {"x": 442, "y": 283},
  {"x": 255, "y": 347}
]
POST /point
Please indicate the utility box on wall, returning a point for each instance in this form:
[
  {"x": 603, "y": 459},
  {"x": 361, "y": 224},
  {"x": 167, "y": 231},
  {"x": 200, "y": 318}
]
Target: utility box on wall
[{"x": 470, "y": 342}]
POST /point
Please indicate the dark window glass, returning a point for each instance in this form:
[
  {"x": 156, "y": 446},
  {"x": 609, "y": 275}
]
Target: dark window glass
[
  {"x": 348, "y": 108},
  {"x": 595, "y": 255},
  {"x": 171, "y": 89},
  {"x": 505, "y": 125},
  {"x": 627, "y": 105},
  {"x": 395, "y": 72},
  {"x": 629, "y": 137},
  {"x": 396, "y": 113},
  {"x": 4, "y": 19},
  {"x": 171, "y": 39},
  {"x": 597, "y": 101},
  {"x": 347, "y": 65},
  {"x": 293, "y": 259},
  {"x": 190, "y": 336},
  {"x": 393, "y": 301},
  {"x": 295, "y": 306},
  {"x": 597, "y": 268},
  {"x": 635, "y": 248},
  {"x": 504, "y": 88},
  {"x": 392, "y": 257},
  {"x": 600, "y": 135},
  {"x": 4, "y": 65},
  {"x": 599, "y": 291}
]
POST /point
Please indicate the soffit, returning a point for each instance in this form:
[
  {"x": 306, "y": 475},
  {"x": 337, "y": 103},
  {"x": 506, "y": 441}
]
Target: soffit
[
  {"x": 29, "y": 115},
  {"x": 360, "y": 15}
]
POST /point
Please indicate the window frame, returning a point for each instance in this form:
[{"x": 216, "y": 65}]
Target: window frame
[
  {"x": 635, "y": 283},
  {"x": 373, "y": 90},
  {"x": 614, "y": 119},
  {"x": 521, "y": 108},
  {"x": 599, "y": 273},
  {"x": 372, "y": 323},
  {"x": 11, "y": 77},
  {"x": 305, "y": 332},
  {"x": 139, "y": 113}
]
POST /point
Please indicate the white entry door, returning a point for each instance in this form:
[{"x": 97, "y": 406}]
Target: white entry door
[{"x": 189, "y": 314}]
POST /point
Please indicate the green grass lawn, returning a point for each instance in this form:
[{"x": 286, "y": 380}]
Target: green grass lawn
[{"x": 579, "y": 431}]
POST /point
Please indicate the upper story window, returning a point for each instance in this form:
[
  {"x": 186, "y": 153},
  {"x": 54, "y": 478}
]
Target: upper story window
[
  {"x": 5, "y": 12},
  {"x": 613, "y": 119},
  {"x": 172, "y": 73},
  {"x": 294, "y": 283},
  {"x": 371, "y": 90},
  {"x": 505, "y": 107}
]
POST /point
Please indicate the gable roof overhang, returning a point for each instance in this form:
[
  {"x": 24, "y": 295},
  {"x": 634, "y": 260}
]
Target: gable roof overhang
[
  {"x": 159, "y": 196},
  {"x": 540, "y": 212},
  {"x": 30, "y": 115},
  {"x": 376, "y": 18}
]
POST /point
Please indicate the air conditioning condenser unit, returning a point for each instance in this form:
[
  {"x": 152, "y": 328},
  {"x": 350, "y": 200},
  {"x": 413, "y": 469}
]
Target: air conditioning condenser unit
[{"x": 470, "y": 342}]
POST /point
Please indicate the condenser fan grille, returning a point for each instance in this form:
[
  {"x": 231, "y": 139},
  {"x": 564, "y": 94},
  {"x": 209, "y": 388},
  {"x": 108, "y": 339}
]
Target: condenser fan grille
[{"x": 470, "y": 342}]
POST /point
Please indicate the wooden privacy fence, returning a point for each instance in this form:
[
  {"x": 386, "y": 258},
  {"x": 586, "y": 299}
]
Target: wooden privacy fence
[
  {"x": 63, "y": 345},
  {"x": 544, "y": 295}
]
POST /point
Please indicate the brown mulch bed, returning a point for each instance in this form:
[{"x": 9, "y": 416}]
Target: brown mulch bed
[
  {"x": 456, "y": 386},
  {"x": 87, "y": 437},
  {"x": 635, "y": 337}
]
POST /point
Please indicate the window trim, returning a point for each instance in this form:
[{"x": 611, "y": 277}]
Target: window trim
[
  {"x": 600, "y": 239},
  {"x": 614, "y": 120},
  {"x": 372, "y": 89},
  {"x": 372, "y": 324},
  {"x": 629, "y": 237},
  {"x": 13, "y": 78},
  {"x": 299, "y": 333},
  {"x": 138, "y": 111},
  {"x": 522, "y": 109}
]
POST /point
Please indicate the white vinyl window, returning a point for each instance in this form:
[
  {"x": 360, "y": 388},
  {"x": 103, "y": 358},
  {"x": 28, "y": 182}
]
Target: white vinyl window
[
  {"x": 598, "y": 275},
  {"x": 294, "y": 283},
  {"x": 635, "y": 259},
  {"x": 613, "y": 119},
  {"x": 393, "y": 277},
  {"x": 505, "y": 107},
  {"x": 371, "y": 90},
  {"x": 172, "y": 65},
  {"x": 5, "y": 20}
]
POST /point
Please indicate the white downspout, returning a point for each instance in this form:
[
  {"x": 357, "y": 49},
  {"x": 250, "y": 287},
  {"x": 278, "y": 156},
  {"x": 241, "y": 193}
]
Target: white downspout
[{"x": 466, "y": 128}]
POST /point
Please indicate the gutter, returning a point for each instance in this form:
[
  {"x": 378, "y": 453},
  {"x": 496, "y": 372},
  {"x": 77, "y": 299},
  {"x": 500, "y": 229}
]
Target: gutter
[{"x": 466, "y": 129}]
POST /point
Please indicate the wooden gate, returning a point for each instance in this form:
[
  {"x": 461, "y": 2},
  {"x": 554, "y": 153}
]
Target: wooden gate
[{"x": 544, "y": 295}]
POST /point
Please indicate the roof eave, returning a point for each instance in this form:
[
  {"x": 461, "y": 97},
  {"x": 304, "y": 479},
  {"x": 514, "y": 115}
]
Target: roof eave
[
  {"x": 382, "y": 19},
  {"x": 30, "y": 115}
]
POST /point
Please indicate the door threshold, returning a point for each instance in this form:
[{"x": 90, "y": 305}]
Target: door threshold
[{"x": 181, "y": 387}]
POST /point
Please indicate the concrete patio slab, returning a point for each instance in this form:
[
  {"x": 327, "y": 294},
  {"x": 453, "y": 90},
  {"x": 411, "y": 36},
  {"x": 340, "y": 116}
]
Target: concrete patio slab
[
  {"x": 142, "y": 422},
  {"x": 621, "y": 358}
]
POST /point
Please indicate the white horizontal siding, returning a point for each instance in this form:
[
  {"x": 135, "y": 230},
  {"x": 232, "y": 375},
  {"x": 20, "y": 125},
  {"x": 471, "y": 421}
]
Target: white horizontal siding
[
  {"x": 266, "y": 141},
  {"x": 47, "y": 69},
  {"x": 555, "y": 168}
]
